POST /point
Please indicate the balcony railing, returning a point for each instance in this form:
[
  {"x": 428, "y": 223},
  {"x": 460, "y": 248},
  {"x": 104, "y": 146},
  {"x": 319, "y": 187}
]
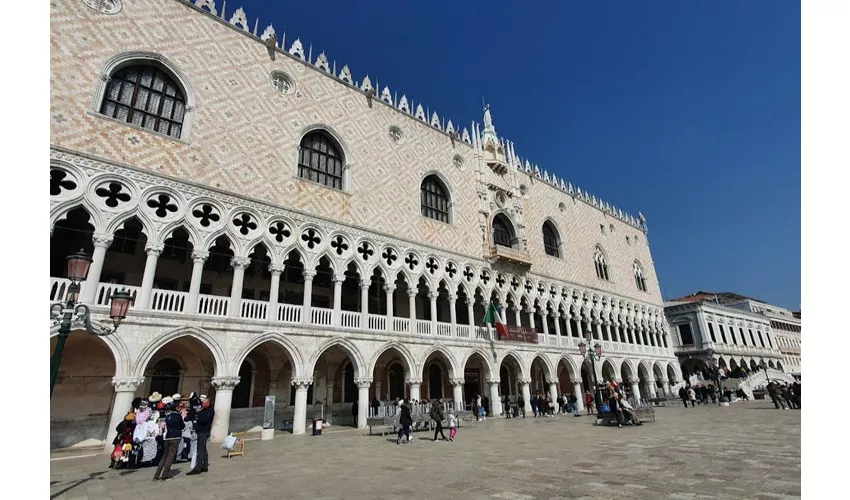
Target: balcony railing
[
  {"x": 219, "y": 306},
  {"x": 510, "y": 255}
]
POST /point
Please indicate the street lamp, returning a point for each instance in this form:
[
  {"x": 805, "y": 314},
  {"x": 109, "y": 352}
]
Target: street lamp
[
  {"x": 763, "y": 366},
  {"x": 70, "y": 312},
  {"x": 594, "y": 355}
]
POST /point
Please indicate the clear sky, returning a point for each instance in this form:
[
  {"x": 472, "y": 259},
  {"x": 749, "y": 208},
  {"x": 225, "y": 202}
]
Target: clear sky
[{"x": 688, "y": 111}]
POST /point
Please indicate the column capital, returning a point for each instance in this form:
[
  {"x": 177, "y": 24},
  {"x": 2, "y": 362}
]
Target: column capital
[
  {"x": 577, "y": 381},
  {"x": 276, "y": 268},
  {"x": 492, "y": 381},
  {"x": 240, "y": 262},
  {"x": 338, "y": 278},
  {"x": 365, "y": 283},
  {"x": 524, "y": 381},
  {"x": 301, "y": 383},
  {"x": 199, "y": 256},
  {"x": 154, "y": 249},
  {"x": 308, "y": 274},
  {"x": 550, "y": 382},
  {"x": 470, "y": 301},
  {"x": 363, "y": 383},
  {"x": 389, "y": 288},
  {"x": 452, "y": 298},
  {"x": 413, "y": 381},
  {"x": 413, "y": 291},
  {"x": 433, "y": 295},
  {"x": 457, "y": 381},
  {"x": 102, "y": 240},
  {"x": 225, "y": 383},
  {"x": 127, "y": 384}
]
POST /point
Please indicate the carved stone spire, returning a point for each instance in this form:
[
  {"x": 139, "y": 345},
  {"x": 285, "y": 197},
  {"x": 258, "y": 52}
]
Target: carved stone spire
[{"x": 489, "y": 129}]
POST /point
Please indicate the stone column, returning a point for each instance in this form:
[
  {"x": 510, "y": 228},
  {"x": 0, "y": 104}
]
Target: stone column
[
  {"x": 411, "y": 305},
  {"x": 569, "y": 327},
  {"x": 495, "y": 399},
  {"x": 608, "y": 332},
  {"x": 526, "y": 395},
  {"x": 89, "y": 288},
  {"x": 223, "y": 397},
  {"x": 389, "y": 289},
  {"x": 307, "y": 311},
  {"x": 125, "y": 391},
  {"x": 557, "y": 316},
  {"x": 364, "y": 304},
  {"x": 143, "y": 301},
  {"x": 517, "y": 316},
  {"x": 362, "y": 400},
  {"x": 457, "y": 394},
  {"x": 636, "y": 390},
  {"x": 579, "y": 394},
  {"x": 666, "y": 385},
  {"x": 530, "y": 312},
  {"x": 553, "y": 392},
  {"x": 453, "y": 314},
  {"x": 337, "y": 314},
  {"x": 470, "y": 302},
  {"x": 274, "y": 291},
  {"x": 432, "y": 296},
  {"x": 239, "y": 264},
  {"x": 299, "y": 419},
  {"x": 545, "y": 324},
  {"x": 198, "y": 259},
  {"x": 415, "y": 388}
]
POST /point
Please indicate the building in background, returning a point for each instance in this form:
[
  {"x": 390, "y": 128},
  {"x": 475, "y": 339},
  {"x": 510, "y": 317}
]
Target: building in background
[{"x": 733, "y": 330}]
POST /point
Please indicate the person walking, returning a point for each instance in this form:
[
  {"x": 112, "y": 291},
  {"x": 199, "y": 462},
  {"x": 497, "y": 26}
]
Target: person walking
[
  {"x": 588, "y": 400},
  {"x": 436, "y": 414},
  {"x": 520, "y": 403},
  {"x": 404, "y": 420},
  {"x": 683, "y": 394},
  {"x": 171, "y": 440},
  {"x": 203, "y": 426},
  {"x": 476, "y": 408},
  {"x": 452, "y": 418},
  {"x": 692, "y": 397}
]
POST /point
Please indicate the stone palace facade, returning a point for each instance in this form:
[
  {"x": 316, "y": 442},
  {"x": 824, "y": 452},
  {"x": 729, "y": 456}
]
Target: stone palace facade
[{"x": 288, "y": 230}]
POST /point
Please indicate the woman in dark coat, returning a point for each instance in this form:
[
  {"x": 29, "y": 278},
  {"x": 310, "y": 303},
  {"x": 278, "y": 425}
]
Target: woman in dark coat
[{"x": 405, "y": 420}]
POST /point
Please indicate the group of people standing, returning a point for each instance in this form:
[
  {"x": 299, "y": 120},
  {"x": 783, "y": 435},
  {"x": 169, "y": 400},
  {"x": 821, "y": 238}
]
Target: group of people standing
[
  {"x": 784, "y": 396},
  {"x": 436, "y": 413},
  {"x": 157, "y": 429}
]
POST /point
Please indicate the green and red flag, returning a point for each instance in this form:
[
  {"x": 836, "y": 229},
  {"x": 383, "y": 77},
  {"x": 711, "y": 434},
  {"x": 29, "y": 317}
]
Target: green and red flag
[{"x": 494, "y": 318}]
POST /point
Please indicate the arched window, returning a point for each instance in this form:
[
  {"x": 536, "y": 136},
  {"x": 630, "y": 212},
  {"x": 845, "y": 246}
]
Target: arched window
[
  {"x": 640, "y": 281},
  {"x": 145, "y": 96},
  {"x": 166, "y": 377},
  {"x": 320, "y": 160},
  {"x": 601, "y": 265},
  {"x": 434, "y": 199},
  {"x": 502, "y": 231},
  {"x": 550, "y": 240}
]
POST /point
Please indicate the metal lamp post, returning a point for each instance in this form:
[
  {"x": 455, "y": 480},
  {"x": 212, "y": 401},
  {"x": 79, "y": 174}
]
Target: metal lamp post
[
  {"x": 70, "y": 312},
  {"x": 594, "y": 355}
]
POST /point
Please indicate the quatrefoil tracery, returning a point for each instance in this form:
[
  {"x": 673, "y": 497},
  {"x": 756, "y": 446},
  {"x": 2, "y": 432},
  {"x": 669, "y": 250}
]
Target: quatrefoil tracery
[
  {"x": 245, "y": 223},
  {"x": 162, "y": 205},
  {"x": 113, "y": 195},
  {"x": 206, "y": 215}
]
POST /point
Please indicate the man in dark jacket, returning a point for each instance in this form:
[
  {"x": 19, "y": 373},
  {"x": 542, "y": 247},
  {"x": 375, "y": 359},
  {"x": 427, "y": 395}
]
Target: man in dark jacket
[
  {"x": 437, "y": 415},
  {"x": 203, "y": 426},
  {"x": 173, "y": 434}
]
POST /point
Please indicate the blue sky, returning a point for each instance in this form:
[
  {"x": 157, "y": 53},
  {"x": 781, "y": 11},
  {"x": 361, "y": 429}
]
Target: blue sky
[{"x": 688, "y": 111}]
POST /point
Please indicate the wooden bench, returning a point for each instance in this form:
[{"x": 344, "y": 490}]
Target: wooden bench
[{"x": 642, "y": 414}]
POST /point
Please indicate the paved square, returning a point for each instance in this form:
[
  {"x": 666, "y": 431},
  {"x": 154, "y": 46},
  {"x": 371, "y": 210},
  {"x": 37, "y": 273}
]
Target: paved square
[{"x": 748, "y": 450}]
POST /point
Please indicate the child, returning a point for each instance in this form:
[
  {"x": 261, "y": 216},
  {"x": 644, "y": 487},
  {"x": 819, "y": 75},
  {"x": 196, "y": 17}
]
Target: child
[{"x": 452, "y": 426}]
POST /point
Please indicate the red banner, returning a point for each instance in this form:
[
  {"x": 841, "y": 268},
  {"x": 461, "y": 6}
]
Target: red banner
[{"x": 520, "y": 334}]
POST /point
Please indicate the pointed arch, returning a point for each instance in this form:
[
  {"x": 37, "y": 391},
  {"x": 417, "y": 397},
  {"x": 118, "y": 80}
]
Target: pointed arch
[
  {"x": 346, "y": 345},
  {"x": 209, "y": 341},
  {"x": 572, "y": 367},
  {"x": 407, "y": 357},
  {"x": 321, "y": 140},
  {"x": 510, "y": 353},
  {"x": 278, "y": 338},
  {"x": 116, "y": 346},
  {"x": 552, "y": 241},
  {"x": 446, "y": 353},
  {"x": 60, "y": 212},
  {"x": 488, "y": 363},
  {"x": 551, "y": 372}
]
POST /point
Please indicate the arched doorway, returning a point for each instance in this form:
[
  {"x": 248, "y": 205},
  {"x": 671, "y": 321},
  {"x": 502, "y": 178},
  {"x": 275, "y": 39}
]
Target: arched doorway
[
  {"x": 183, "y": 365},
  {"x": 540, "y": 377},
  {"x": 242, "y": 394},
  {"x": 266, "y": 370},
  {"x": 334, "y": 386},
  {"x": 565, "y": 378},
  {"x": 475, "y": 375},
  {"x": 82, "y": 397},
  {"x": 609, "y": 373},
  {"x": 435, "y": 379},
  {"x": 671, "y": 375},
  {"x": 510, "y": 373},
  {"x": 390, "y": 374}
]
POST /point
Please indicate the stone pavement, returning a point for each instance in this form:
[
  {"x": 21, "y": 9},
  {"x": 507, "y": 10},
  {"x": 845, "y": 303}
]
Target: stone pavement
[{"x": 747, "y": 450}]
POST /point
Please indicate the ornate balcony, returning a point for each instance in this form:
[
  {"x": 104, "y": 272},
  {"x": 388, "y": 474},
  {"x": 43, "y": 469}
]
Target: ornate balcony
[{"x": 509, "y": 256}]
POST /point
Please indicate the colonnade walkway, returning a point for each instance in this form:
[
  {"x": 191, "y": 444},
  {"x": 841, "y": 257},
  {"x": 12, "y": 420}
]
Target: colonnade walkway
[{"x": 682, "y": 455}]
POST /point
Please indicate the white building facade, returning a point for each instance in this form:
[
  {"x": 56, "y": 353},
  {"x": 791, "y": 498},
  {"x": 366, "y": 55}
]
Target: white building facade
[
  {"x": 704, "y": 331},
  {"x": 787, "y": 330},
  {"x": 289, "y": 231}
]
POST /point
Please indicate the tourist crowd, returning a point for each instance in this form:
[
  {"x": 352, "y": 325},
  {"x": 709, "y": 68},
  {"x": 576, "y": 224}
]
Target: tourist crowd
[{"x": 161, "y": 430}]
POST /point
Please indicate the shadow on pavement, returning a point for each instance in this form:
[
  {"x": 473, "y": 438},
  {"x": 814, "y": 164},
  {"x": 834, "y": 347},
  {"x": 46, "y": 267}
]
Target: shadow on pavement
[{"x": 93, "y": 475}]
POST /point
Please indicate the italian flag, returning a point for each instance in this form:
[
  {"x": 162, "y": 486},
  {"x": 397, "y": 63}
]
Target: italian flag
[{"x": 495, "y": 319}]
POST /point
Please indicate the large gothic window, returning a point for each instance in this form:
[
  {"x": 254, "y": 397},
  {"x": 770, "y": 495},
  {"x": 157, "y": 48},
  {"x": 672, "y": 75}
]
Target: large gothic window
[
  {"x": 502, "y": 231},
  {"x": 640, "y": 281},
  {"x": 550, "y": 240},
  {"x": 601, "y": 265},
  {"x": 320, "y": 160},
  {"x": 147, "y": 97},
  {"x": 434, "y": 199}
]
